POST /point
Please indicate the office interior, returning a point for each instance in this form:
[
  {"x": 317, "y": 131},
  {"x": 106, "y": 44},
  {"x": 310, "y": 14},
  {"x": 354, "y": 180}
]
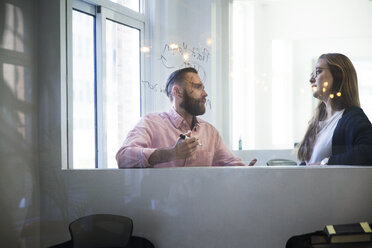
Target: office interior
[{"x": 254, "y": 57}]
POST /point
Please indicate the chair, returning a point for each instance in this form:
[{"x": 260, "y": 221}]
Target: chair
[
  {"x": 101, "y": 230},
  {"x": 104, "y": 231},
  {"x": 280, "y": 161}
]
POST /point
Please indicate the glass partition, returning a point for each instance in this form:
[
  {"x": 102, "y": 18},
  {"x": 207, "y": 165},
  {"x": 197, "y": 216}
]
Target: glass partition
[{"x": 253, "y": 56}]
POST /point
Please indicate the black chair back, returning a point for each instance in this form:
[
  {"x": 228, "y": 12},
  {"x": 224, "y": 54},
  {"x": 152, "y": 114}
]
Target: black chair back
[{"x": 101, "y": 230}]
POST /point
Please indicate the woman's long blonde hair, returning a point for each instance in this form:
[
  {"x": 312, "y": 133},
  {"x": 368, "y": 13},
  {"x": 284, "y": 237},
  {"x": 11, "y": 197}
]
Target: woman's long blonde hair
[{"x": 344, "y": 81}]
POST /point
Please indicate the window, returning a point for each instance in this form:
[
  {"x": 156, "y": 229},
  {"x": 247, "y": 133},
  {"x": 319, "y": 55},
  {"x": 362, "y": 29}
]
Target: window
[
  {"x": 122, "y": 95},
  {"x": 104, "y": 89},
  {"x": 131, "y": 4},
  {"x": 83, "y": 89},
  {"x": 274, "y": 48},
  {"x": 363, "y": 68}
]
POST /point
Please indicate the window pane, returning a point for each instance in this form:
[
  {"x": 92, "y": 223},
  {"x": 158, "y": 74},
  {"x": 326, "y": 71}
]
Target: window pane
[
  {"x": 274, "y": 66},
  {"x": 243, "y": 87},
  {"x": 83, "y": 91},
  {"x": 364, "y": 73},
  {"x": 281, "y": 95},
  {"x": 131, "y": 4},
  {"x": 122, "y": 100}
]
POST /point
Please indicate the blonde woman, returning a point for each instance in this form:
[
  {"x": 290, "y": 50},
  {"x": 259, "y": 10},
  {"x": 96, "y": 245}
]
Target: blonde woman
[{"x": 339, "y": 133}]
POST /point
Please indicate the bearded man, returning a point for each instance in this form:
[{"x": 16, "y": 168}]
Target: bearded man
[{"x": 177, "y": 138}]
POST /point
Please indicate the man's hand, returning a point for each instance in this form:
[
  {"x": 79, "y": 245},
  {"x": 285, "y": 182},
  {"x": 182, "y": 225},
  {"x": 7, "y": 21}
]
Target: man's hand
[
  {"x": 182, "y": 149},
  {"x": 185, "y": 147}
]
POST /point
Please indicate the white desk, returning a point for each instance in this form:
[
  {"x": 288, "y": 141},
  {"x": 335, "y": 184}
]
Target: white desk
[{"x": 214, "y": 207}]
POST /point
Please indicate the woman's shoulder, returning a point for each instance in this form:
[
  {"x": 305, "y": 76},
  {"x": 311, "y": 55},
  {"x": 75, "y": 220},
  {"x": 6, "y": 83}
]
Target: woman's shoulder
[
  {"x": 353, "y": 110},
  {"x": 354, "y": 115}
]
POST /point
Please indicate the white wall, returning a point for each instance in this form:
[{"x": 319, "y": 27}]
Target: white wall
[{"x": 19, "y": 174}]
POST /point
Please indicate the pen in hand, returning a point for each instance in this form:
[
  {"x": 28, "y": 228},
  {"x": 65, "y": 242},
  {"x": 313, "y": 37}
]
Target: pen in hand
[{"x": 182, "y": 136}]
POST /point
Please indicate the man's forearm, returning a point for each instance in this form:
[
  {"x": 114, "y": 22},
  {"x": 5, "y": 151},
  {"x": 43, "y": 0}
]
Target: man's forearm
[
  {"x": 133, "y": 157},
  {"x": 161, "y": 156}
]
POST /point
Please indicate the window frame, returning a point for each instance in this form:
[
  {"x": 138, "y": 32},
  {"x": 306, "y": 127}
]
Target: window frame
[{"x": 102, "y": 11}]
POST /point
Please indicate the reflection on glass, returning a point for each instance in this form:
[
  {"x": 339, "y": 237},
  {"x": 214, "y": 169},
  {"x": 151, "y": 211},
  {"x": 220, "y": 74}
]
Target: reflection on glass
[
  {"x": 13, "y": 33},
  {"x": 83, "y": 91},
  {"x": 131, "y": 4},
  {"x": 14, "y": 78},
  {"x": 122, "y": 100}
]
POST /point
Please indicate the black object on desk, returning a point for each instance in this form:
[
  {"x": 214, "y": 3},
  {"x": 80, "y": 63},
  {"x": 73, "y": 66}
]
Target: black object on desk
[
  {"x": 358, "y": 235},
  {"x": 347, "y": 233}
]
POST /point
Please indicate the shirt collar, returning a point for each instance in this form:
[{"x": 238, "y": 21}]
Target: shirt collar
[{"x": 177, "y": 120}]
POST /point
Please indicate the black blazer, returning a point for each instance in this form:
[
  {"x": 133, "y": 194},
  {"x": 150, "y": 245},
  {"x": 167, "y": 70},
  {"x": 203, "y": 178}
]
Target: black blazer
[{"x": 352, "y": 139}]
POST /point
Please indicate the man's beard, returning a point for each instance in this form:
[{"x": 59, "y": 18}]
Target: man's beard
[{"x": 192, "y": 106}]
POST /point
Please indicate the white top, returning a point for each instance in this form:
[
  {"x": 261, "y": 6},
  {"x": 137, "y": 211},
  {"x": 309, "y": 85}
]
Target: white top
[{"x": 323, "y": 143}]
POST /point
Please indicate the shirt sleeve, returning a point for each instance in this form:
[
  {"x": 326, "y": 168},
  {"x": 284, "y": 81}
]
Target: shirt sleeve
[
  {"x": 136, "y": 148},
  {"x": 223, "y": 156}
]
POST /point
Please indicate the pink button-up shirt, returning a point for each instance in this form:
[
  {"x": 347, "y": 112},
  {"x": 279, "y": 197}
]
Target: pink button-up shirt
[{"x": 161, "y": 130}]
